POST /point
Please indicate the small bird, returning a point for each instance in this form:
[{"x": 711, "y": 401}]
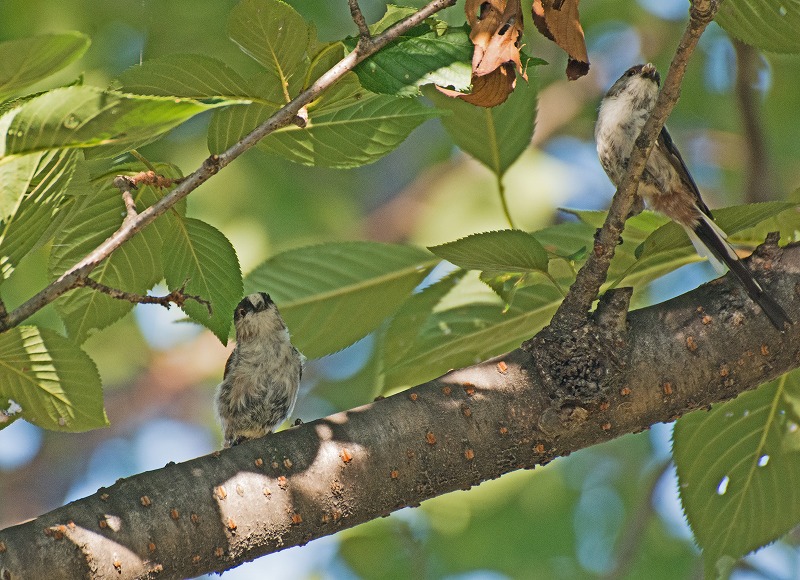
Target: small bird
[
  {"x": 666, "y": 184},
  {"x": 259, "y": 388}
]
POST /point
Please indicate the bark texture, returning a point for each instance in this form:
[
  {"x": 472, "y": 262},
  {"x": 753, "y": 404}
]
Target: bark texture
[{"x": 616, "y": 374}]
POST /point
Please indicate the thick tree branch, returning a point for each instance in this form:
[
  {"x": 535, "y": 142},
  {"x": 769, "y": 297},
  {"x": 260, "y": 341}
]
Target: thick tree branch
[
  {"x": 284, "y": 116},
  {"x": 572, "y": 312},
  {"x": 463, "y": 428}
]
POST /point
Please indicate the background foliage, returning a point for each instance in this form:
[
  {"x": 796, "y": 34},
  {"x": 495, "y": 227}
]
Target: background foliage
[{"x": 294, "y": 224}]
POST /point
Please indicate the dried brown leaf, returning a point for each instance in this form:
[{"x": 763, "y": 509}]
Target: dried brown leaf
[
  {"x": 496, "y": 33},
  {"x": 488, "y": 90},
  {"x": 559, "y": 21}
]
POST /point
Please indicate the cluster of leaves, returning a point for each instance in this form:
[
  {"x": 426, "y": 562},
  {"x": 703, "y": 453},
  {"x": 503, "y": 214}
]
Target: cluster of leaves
[{"x": 62, "y": 148}]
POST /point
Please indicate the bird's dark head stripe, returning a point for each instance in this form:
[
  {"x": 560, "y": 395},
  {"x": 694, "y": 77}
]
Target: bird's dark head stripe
[{"x": 255, "y": 302}]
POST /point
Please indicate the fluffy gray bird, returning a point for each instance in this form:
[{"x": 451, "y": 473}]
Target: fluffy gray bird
[
  {"x": 666, "y": 184},
  {"x": 259, "y": 388}
]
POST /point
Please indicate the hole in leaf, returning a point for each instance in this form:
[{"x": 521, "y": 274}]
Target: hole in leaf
[{"x": 723, "y": 485}]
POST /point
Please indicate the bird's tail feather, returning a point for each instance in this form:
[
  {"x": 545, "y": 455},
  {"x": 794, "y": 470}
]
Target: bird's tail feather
[
  {"x": 704, "y": 250},
  {"x": 713, "y": 238}
]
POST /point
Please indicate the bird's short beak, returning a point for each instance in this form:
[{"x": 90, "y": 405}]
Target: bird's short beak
[{"x": 649, "y": 71}]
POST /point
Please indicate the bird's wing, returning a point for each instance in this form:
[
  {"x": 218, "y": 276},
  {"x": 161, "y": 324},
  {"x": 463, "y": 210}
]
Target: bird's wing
[{"x": 666, "y": 144}]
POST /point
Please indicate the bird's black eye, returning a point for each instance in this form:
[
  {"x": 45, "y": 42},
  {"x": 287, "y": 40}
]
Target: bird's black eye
[
  {"x": 630, "y": 73},
  {"x": 240, "y": 312}
]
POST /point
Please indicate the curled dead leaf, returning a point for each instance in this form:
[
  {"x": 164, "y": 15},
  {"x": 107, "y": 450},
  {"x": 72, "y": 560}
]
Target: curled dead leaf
[
  {"x": 559, "y": 21},
  {"x": 488, "y": 90},
  {"x": 496, "y": 33}
]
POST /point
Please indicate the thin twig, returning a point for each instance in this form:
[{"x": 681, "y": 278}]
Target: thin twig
[
  {"x": 214, "y": 163},
  {"x": 358, "y": 18},
  {"x": 130, "y": 204},
  {"x": 574, "y": 308},
  {"x": 123, "y": 182},
  {"x": 177, "y": 296}
]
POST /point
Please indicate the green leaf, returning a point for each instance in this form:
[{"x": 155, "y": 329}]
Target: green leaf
[
  {"x": 786, "y": 223},
  {"x": 37, "y": 200},
  {"x": 638, "y": 227},
  {"x": 353, "y": 390},
  {"x": 231, "y": 124},
  {"x": 625, "y": 268},
  {"x": 407, "y": 324},
  {"x": 423, "y": 55},
  {"x": 496, "y": 137},
  {"x": 567, "y": 239},
  {"x": 504, "y": 250},
  {"x": 276, "y": 36},
  {"x": 147, "y": 195},
  {"x": 468, "y": 326},
  {"x": 201, "y": 254},
  {"x": 463, "y": 335},
  {"x": 383, "y": 549},
  {"x": 672, "y": 236},
  {"x": 28, "y": 60},
  {"x": 770, "y": 25},
  {"x": 134, "y": 267},
  {"x": 653, "y": 246},
  {"x": 349, "y": 130},
  {"x": 192, "y": 76},
  {"x": 83, "y": 116},
  {"x": 16, "y": 176},
  {"x": 739, "y": 469},
  {"x": 334, "y": 294},
  {"x": 346, "y": 126},
  {"x": 54, "y": 382},
  {"x": 392, "y": 16}
]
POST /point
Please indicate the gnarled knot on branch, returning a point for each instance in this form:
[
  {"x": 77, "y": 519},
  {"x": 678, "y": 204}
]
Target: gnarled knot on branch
[{"x": 575, "y": 364}]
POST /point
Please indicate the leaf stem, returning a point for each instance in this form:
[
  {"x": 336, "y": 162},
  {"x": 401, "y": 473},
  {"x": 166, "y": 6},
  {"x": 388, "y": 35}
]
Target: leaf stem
[
  {"x": 501, "y": 190},
  {"x": 555, "y": 283},
  {"x": 143, "y": 160}
]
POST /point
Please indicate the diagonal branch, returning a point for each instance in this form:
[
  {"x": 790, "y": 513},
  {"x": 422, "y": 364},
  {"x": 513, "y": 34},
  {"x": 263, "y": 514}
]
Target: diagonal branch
[
  {"x": 284, "y": 116},
  {"x": 468, "y": 426},
  {"x": 574, "y": 308}
]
